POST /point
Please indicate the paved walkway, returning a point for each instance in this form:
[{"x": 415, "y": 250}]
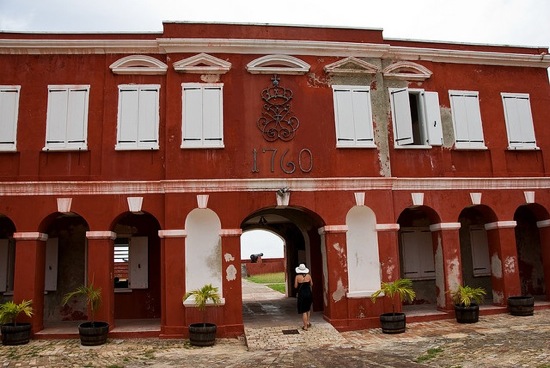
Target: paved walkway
[{"x": 495, "y": 341}]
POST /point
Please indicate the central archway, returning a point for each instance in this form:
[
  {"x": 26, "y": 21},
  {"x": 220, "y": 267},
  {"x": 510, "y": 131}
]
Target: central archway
[{"x": 299, "y": 227}]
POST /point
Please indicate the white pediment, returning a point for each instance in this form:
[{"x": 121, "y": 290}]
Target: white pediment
[
  {"x": 407, "y": 70},
  {"x": 278, "y": 64},
  {"x": 351, "y": 65},
  {"x": 202, "y": 64},
  {"x": 139, "y": 64}
]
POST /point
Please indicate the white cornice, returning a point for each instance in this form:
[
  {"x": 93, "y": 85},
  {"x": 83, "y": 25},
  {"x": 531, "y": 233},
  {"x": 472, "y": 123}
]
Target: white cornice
[
  {"x": 261, "y": 46},
  {"x": 74, "y": 188}
]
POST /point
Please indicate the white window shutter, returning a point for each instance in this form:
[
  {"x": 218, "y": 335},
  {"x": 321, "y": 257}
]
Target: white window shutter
[
  {"x": 362, "y": 117},
  {"x": 480, "y": 252},
  {"x": 4, "y": 251},
  {"x": 50, "y": 271},
  {"x": 401, "y": 113},
  {"x": 343, "y": 110},
  {"x": 56, "y": 120},
  {"x": 433, "y": 118},
  {"x": 128, "y": 117},
  {"x": 77, "y": 117},
  {"x": 418, "y": 261},
  {"x": 9, "y": 108},
  {"x": 519, "y": 121},
  {"x": 427, "y": 262},
  {"x": 467, "y": 119},
  {"x": 148, "y": 110},
  {"x": 212, "y": 116},
  {"x": 475, "y": 130},
  {"x": 192, "y": 117},
  {"x": 139, "y": 262}
]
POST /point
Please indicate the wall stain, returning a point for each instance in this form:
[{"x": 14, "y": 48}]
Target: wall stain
[{"x": 340, "y": 291}]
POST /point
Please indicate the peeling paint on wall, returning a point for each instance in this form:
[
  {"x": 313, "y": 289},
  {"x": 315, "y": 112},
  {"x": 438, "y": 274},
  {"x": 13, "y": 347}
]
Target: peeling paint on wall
[
  {"x": 228, "y": 257},
  {"x": 231, "y": 273},
  {"x": 453, "y": 276},
  {"x": 498, "y": 297},
  {"x": 341, "y": 255},
  {"x": 389, "y": 269},
  {"x": 340, "y": 291},
  {"x": 439, "y": 274},
  {"x": 496, "y": 266},
  {"x": 509, "y": 265}
]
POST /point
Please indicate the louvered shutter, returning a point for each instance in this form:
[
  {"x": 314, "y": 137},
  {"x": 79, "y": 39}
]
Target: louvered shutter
[
  {"x": 9, "y": 103},
  {"x": 56, "y": 117},
  {"x": 401, "y": 113},
  {"x": 343, "y": 109},
  {"x": 212, "y": 116},
  {"x": 77, "y": 117},
  {"x": 128, "y": 117},
  {"x": 192, "y": 117},
  {"x": 139, "y": 262},
  {"x": 148, "y": 110},
  {"x": 362, "y": 117},
  {"x": 519, "y": 121},
  {"x": 433, "y": 118},
  {"x": 480, "y": 252}
]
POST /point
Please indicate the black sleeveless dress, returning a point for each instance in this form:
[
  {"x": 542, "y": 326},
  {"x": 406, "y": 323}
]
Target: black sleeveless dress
[{"x": 305, "y": 297}]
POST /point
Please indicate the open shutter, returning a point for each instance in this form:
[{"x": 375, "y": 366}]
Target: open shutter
[
  {"x": 401, "y": 114},
  {"x": 474, "y": 120},
  {"x": 128, "y": 117},
  {"x": 4, "y": 251},
  {"x": 433, "y": 118},
  {"x": 57, "y": 117},
  {"x": 148, "y": 110},
  {"x": 77, "y": 117},
  {"x": 480, "y": 252},
  {"x": 139, "y": 263},
  {"x": 519, "y": 121},
  {"x": 9, "y": 103},
  {"x": 212, "y": 116},
  {"x": 50, "y": 271},
  {"x": 192, "y": 116},
  {"x": 343, "y": 110}
]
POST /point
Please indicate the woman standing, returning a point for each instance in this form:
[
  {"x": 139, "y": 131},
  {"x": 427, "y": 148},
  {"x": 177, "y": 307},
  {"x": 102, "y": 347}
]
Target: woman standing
[{"x": 304, "y": 284}]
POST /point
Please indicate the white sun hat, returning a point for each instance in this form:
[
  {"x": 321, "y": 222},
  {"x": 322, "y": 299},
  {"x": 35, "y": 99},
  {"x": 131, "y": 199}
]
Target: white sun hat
[{"x": 302, "y": 268}]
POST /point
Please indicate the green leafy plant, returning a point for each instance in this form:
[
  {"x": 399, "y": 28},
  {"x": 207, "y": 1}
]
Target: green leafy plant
[
  {"x": 401, "y": 287},
  {"x": 201, "y": 297},
  {"x": 91, "y": 294},
  {"x": 466, "y": 295},
  {"x": 9, "y": 311}
]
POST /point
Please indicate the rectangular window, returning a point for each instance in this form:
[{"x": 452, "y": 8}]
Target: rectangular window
[
  {"x": 519, "y": 121},
  {"x": 202, "y": 118},
  {"x": 9, "y": 109},
  {"x": 467, "y": 120},
  {"x": 417, "y": 252},
  {"x": 138, "y": 117},
  {"x": 67, "y": 118},
  {"x": 353, "y": 116},
  {"x": 416, "y": 118}
]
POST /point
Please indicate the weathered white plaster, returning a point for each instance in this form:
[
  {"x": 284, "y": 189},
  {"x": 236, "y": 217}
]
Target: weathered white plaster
[
  {"x": 340, "y": 291},
  {"x": 325, "y": 267},
  {"x": 202, "y": 200},
  {"x": 228, "y": 257},
  {"x": 529, "y": 196},
  {"x": 509, "y": 265},
  {"x": 231, "y": 273},
  {"x": 417, "y": 199},
  {"x": 359, "y": 198},
  {"x": 496, "y": 266},
  {"x": 134, "y": 204},
  {"x": 439, "y": 273},
  {"x": 476, "y": 198},
  {"x": 498, "y": 297},
  {"x": 64, "y": 205},
  {"x": 341, "y": 256}
]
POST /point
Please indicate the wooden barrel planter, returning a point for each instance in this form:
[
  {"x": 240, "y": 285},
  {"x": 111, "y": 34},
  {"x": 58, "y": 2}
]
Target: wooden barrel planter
[
  {"x": 468, "y": 314},
  {"x": 93, "y": 333},
  {"x": 393, "y": 323},
  {"x": 521, "y": 305},
  {"x": 18, "y": 334},
  {"x": 202, "y": 334}
]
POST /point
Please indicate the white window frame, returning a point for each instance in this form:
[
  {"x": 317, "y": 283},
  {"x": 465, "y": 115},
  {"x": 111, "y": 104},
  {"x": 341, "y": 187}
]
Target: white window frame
[
  {"x": 138, "y": 124},
  {"x": 202, "y": 120},
  {"x": 429, "y": 130},
  {"x": 9, "y": 111},
  {"x": 418, "y": 256},
  {"x": 467, "y": 123},
  {"x": 519, "y": 121},
  {"x": 353, "y": 116},
  {"x": 67, "y": 118}
]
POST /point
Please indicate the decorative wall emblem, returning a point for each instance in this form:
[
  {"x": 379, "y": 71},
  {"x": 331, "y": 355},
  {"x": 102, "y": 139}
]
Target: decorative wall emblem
[{"x": 277, "y": 121}]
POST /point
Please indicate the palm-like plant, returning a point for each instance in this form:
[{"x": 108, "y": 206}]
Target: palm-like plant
[
  {"x": 92, "y": 295},
  {"x": 10, "y": 310},
  {"x": 401, "y": 287},
  {"x": 466, "y": 295},
  {"x": 202, "y": 295}
]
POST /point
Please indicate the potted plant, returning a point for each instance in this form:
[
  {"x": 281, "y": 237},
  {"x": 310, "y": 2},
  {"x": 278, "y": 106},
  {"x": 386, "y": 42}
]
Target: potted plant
[
  {"x": 393, "y": 322},
  {"x": 203, "y": 334},
  {"x": 14, "y": 333},
  {"x": 466, "y": 300},
  {"x": 91, "y": 332},
  {"x": 522, "y": 305}
]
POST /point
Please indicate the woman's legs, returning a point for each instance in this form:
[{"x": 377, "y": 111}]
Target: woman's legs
[{"x": 305, "y": 320}]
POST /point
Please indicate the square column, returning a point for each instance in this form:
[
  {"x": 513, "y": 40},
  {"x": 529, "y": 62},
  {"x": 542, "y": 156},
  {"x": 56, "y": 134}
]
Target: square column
[
  {"x": 232, "y": 284},
  {"x": 448, "y": 263}
]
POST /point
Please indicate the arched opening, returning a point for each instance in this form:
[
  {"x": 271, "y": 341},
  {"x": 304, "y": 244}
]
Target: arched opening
[
  {"x": 7, "y": 258},
  {"x": 298, "y": 227},
  {"x": 531, "y": 262},
  {"x": 136, "y": 270},
  {"x": 263, "y": 252}
]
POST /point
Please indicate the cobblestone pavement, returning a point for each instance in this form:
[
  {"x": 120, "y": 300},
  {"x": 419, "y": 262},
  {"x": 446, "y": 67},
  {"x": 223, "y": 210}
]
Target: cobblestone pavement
[{"x": 495, "y": 341}]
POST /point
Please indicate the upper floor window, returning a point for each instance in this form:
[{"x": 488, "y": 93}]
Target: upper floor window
[
  {"x": 9, "y": 108},
  {"x": 67, "y": 118},
  {"x": 138, "y": 117},
  {"x": 416, "y": 117},
  {"x": 467, "y": 120},
  {"x": 519, "y": 121},
  {"x": 202, "y": 125},
  {"x": 353, "y": 116}
]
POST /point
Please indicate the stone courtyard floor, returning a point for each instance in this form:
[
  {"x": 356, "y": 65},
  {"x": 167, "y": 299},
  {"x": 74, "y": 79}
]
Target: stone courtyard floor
[{"x": 495, "y": 341}]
